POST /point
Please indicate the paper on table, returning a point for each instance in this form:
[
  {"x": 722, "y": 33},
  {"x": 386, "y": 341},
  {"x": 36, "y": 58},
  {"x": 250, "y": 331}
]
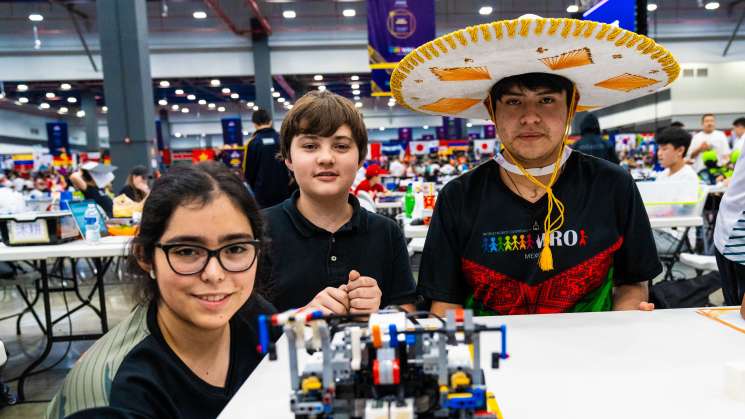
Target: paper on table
[{"x": 729, "y": 316}]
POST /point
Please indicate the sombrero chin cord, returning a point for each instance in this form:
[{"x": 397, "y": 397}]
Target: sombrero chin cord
[{"x": 546, "y": 260}]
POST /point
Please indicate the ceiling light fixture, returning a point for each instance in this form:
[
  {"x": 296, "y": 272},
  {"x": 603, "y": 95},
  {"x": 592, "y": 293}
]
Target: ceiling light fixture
[
  {"x": 179, "y": 91},
  {"x": 355, "y": 92},
  {"x": 104, "y": 109},
  {"x": 23, "y": 99},
  {"x": 174, "y": 107},
  {"x": 322, "y": 88},
  {"x": 357, "y": 104},
  {"x": 485, "y": 10},
  {"x": 318, "y": 77},
  {"x": 281, "y": 100},
  {"x": 163, "y": 102},
  {"x": 35, "y": 17},
  {"x": 65, "y": 86},
  {"x": 712, "y": 5},
  {"x": 355, "y": 86},
  {"x": 214, "y": 82},
  {"x": 63, "y": 110},
  {"x": 211, "y": 105},
  {"x": 225, "y": 91},
  {"x": 235, "y": 96},
  {"x": 349, "y": 13},
  {"x": 573, "y": 8},
  {"x": 425, "y": 127},
  {"x": 44, "y": 105},
  {"x": 276, "y": 94},
  {"x": 191, "y": 97},
  {"x": 355, "y": 78},
  {"x": 50, "y": 95},
  {"x": 202, "y": 102},
  {"x": 289, "y": 14},
  {"x": 651, "y": 7},
  {"x": 381, "y": 128},
  {"x": 199, "y": 14},
  {"x": 165, "y": 83},
  {"x": 250, "y": 104},
  {"x": 221, "y": 109},
  {"x": 255, "y": 108},
  {"x": 72, "y": 99},
  {"x": 22, "y": 87},
  {"x": 80, "y": 114},
  {"x": 184, "y": 110}
]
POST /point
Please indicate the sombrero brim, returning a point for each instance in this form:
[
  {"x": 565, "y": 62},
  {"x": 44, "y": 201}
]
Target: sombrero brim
[{"x": 453, "y": 74}]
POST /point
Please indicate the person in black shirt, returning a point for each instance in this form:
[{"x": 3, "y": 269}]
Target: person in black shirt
[
  {"x": 91, "y": 180},
  {"x": 265, "y": 173},
  {"x": 540, "y": 228},
  {"x": 136, "y": 187},
  {"x": 192, "y": 340},
  {"x": 591, "y": 143},
  {"x": 327, "y": 252}
]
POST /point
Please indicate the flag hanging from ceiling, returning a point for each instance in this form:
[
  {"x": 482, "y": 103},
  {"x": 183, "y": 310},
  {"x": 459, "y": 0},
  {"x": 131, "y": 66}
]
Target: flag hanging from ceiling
[
  {"x": 484, "y": 146},
  {"x": 199, "y": 155},
  {"x": 395, "y": 28}
]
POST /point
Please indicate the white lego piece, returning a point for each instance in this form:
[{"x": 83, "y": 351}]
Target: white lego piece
[
  {"x": 376, "y": 409},
  {"x": 405, "y": 411},
  {"x": 355, "y": 335},
  {"x": 459, "y": 356},
  {"x": 3, "y": 355},
  {"x": 734, "y": 380},
  {"x": 314, "y": 364},
  {"x": 384, "y": 319}
]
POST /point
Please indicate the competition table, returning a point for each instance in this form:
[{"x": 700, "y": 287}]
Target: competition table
[
  {"x": 101, "y": 253},
  {"x": 632, "y": 364}
]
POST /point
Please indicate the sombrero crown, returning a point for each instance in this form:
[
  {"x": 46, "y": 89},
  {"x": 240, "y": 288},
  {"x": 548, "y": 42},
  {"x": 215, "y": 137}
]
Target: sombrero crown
[{"x": 453, "y": 74}]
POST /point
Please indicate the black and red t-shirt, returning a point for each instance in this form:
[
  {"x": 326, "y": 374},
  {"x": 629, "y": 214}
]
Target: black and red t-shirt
[{"x": 484, "y": 241}]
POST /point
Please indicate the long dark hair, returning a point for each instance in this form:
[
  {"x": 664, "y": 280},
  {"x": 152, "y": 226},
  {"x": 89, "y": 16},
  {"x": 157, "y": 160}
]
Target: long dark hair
[
  {"x": 182, "y": 185},
  {"x": 136, "y": 171}
]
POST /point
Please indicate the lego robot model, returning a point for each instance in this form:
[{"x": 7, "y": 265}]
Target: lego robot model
[{"x": 389, "y": 366}]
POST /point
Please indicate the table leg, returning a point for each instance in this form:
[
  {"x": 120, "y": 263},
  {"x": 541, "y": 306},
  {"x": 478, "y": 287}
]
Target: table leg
[
  {"x": 101, "y": 295},
  {"x": 47, "y": 331}
]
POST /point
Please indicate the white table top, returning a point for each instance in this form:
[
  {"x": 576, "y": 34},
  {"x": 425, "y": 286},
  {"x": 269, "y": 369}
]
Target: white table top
[
  {"x": 661, "y": 364},
  {"x": 109, "y": 246},
  {"x": 420, "y": 231},
  {"x": 388, "y": 205}
]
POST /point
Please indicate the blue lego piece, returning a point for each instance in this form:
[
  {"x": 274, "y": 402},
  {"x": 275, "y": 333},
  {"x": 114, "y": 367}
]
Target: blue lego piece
[
  {"x": 263, "y": 334},
  {"x": 393, "y": 333}
]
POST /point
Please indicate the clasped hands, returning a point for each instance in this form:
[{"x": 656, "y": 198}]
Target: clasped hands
[{"x": 360, "y": 295}]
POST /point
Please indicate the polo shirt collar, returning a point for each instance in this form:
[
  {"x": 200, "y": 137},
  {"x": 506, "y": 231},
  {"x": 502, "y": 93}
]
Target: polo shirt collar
[{"x": 358, "y": 222}]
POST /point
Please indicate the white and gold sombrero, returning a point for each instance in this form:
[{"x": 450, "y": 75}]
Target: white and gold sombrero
[{"x": 453, "y": 74}]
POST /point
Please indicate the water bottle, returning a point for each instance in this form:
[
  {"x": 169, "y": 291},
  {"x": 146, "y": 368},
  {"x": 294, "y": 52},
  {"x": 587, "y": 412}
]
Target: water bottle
[
  {"x": 409, "y": 200},
  {"x": 92, "y": 224}
]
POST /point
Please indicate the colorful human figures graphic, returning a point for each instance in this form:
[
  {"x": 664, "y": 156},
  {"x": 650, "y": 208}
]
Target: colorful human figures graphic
[{"x": 583, "y": 238}]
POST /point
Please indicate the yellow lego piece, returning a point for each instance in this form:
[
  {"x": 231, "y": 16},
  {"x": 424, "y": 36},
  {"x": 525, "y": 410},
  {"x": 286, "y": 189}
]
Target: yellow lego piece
[
  {"x": 310, "y": 384},
  {"x": 492, "y": 406},
  {"x": 459, "y": 396},
  {"x": 459, "y": 379}
]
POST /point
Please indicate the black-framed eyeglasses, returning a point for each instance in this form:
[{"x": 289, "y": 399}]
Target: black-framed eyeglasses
[{"x": 190, "y": 259}]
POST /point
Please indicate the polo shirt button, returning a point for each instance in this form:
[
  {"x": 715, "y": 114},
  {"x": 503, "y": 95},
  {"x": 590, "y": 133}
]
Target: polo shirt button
[{"x": 333, "y": 258}]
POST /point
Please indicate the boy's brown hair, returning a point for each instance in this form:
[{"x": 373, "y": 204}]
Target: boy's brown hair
[{"x": 321, "y": 113}]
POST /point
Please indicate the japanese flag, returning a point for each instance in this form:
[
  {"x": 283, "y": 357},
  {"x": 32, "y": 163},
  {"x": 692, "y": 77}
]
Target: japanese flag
[
  {"x": 484, "y": 146},
  {"x": 419, "y": 148}
]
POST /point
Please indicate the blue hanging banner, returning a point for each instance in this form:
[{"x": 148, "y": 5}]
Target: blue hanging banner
[
  {"x": 159, "y": 135},
  {"x": 453, "y": 128},
  {"x": 232, "y": 131},
  {"x": 404, "y": 134},
  {"x": 392, "y": 147},
  {"x": 394, "y": 29},
  {"x": 57, "y": 138},
  {"x": 490, "y": 131},
  {"x": 233, "y": 158}
]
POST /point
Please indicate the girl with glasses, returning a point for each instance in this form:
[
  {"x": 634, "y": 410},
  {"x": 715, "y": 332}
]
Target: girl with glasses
[{"x": 191, "y": 341}]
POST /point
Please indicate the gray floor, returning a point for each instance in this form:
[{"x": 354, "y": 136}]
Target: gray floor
[{"x": 24, "y": 348}]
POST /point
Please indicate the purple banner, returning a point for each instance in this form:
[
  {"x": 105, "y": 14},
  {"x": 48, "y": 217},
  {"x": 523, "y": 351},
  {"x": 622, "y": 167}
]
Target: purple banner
[
  {"x": 490, "y": 131},
  {"x": 232, "y": 131},
  {"x": 440, "y": 133},
  {"x": 474, "y": 136},
  {"x": 57, "y": 138},
  {"x": 454, "y": 128},
  {"x": 394, "y": 29},
  {"x": 404, "y": 134},
  {"x": 428, "y": 137}
]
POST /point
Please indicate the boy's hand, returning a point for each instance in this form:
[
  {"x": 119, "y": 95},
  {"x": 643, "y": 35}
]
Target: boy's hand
[
  {"x": 364, "y": 293},
  {"x": 330, "y": 301}
]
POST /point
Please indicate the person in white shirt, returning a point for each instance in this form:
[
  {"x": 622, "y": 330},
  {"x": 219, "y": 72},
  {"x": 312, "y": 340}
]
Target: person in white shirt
[
  {"x": 729, "y": 238},
  {"x": 738, "y": 129},
  {"x": 672, "y": 147},
  {"x": 396, "y": 168},
  {"x": 708, "y": 139}
]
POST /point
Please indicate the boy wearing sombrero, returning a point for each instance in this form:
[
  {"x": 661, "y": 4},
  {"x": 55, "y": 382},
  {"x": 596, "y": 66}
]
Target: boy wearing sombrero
[{"x": 538, "y": 229}]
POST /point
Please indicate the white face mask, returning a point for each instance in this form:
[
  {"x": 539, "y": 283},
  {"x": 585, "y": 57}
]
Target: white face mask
[{"x": 538, "y": 171}]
